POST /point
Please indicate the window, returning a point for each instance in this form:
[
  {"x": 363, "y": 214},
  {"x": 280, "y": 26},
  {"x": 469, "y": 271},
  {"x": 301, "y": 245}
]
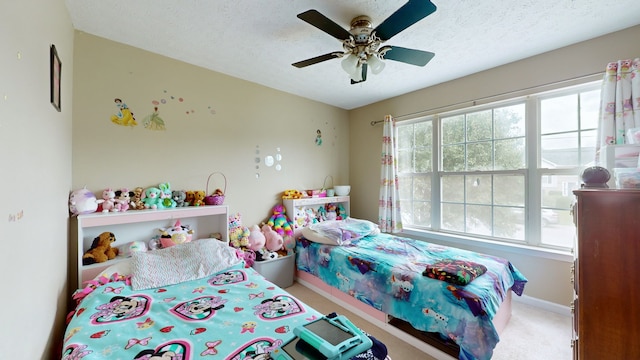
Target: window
[{"x": 502, "y": 171}]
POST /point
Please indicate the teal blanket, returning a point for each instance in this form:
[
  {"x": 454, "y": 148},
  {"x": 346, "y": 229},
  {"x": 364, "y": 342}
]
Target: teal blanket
[
  {"x": 386, "y": 272},
  {"x": 233, "y": 315}
]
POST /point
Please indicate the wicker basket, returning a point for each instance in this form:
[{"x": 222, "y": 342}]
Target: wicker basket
[{"x": 215, "y": 199}]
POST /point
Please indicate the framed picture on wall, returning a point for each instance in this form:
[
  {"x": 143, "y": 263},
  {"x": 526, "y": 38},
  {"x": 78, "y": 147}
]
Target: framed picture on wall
[{"x": 56, "y": 74}]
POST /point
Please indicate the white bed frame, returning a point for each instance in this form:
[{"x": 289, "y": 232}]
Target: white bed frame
[{"x": 381, "y": 319}]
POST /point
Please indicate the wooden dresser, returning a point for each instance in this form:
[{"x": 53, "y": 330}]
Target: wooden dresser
[{"x": 606, "y": 275}]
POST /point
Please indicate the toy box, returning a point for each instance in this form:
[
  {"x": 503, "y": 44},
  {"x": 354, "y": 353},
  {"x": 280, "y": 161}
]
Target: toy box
[
  {"x": 627, "y": 178},
  {"x": 279, "y": 271}
]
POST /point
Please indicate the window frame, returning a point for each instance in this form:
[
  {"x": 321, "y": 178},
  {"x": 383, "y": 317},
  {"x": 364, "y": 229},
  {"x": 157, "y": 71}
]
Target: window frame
[{"x": 533, "y": 172}]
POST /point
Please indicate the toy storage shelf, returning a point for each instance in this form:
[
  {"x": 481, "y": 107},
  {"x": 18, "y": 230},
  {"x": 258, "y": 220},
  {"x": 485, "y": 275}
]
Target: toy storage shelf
[
  {"x": 138, "y": 225},
  {"x": 291, "y": 205},
  {"x": 619, "y": 156}
]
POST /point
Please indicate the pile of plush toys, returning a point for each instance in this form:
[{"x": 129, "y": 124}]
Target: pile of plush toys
[
  {"x": 83, "y": 201},
  {"x": 262, "y": 242}
]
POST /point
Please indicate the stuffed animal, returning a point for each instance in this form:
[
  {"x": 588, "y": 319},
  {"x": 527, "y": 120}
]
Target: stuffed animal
[
  {"x": 342, "y": 213},
  {"x": 274, "y": 240},
  {"x": 288, "y": 246},
  {"x": 265, "y": 254},
  {"x": 179, "y": 196},
  {"x": 322, "y": 214},
  {"x": 101, "y": 249},
  {"x": 174, "y": 235},
  {"x": 311, "y": 217},
  {"x": 257, "y": 239},
  {"x": 198, "y": 197},
  {"x": 83, "y": 201},
  {"x": 190, "y": 197},
  {"x": 300, "y": 218},
  {"x": 166, "y": 200},
  {"x": 109, "y": 203},
  {"x": 292, "y": 194},
  {"x": 279, "y": 221},
  {"x": 238, "y": 234},
  {"x": 151, "y": 198},
  {"x": 136, "y": 199},
  {"x": 123, "y": 199},
  {"x": 332, "y": 211}
]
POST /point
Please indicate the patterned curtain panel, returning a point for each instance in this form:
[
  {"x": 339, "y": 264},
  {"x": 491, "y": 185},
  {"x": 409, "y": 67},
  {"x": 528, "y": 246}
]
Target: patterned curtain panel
[
  {"x": 389, "y": 216},
  {"x": 620, "y": 106}
]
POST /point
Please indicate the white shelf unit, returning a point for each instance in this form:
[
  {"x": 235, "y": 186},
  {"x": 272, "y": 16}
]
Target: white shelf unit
[
  {"x": 138, "y": 225},
  {"x": 291, "y": 205}
]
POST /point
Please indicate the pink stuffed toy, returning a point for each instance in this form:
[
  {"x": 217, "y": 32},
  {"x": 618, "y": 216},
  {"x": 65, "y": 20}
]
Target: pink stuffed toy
[
  {"x": 256, "y": 238},
  {"x": 109, "y": 197},
  {"x": 274, "y": 240},
  {"x": 123, "y": 200}
]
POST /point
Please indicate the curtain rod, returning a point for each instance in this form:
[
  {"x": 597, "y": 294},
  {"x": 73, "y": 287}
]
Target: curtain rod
[{"x": 474, "y": 102}]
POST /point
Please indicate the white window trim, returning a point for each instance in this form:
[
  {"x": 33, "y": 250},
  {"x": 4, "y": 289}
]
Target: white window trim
[
  {"x": 533, "y": 191},
  {"x": 536, "y": 251}
]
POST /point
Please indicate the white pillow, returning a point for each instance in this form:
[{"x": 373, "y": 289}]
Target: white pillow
[
  {"x": 179, "y": 263},
  {"x": 339, "y": 232},
  {"x": 122, "y": 267}
]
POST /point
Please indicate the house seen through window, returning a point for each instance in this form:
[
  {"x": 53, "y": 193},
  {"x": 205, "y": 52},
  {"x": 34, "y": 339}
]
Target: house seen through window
[{"x": 503, "y": 171}]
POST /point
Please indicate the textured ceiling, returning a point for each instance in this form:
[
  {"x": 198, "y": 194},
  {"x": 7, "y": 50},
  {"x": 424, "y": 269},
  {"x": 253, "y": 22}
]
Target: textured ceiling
[{"x": 259, "y": 40}]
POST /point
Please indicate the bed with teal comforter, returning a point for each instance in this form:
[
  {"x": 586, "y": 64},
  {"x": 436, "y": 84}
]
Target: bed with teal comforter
[
  {"x": 190, "y": 301},
  {"x": 439, "y": 289}
]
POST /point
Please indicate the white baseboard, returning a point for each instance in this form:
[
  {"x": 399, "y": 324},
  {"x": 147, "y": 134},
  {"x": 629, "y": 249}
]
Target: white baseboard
[{"x": 544, "y": 305}]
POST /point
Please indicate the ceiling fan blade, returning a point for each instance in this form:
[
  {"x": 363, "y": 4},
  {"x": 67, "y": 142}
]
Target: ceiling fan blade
[
  {"x": 317, "y": 59},
  {"x": 407, "y": 15},
  {"x": 409, "y": 56},
  {"x": 364, "y": 75},
  {"x": 325, "y": 24}
]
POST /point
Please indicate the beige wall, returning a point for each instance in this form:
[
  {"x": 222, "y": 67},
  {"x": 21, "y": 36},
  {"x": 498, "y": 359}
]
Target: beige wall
[
  {"x": 549, "y": 279},
  {"x": 35, "y": 158},
  {"x": 39, "y": 146},
  {"x": 250, "y": 121}
]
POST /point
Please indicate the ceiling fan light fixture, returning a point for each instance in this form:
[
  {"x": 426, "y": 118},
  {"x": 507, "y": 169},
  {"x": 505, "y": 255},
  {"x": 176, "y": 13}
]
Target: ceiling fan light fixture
[
  {"x": 375, "y": 64},
  {"x": 350, "y": 66}
]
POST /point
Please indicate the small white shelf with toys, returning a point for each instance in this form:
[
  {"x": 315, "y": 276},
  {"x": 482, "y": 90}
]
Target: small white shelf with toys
[
  {"x": 140, "y": 226},
  {"x": 298, "y": 210}
]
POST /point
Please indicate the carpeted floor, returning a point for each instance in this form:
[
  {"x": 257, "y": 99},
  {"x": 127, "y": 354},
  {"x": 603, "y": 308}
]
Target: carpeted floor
[{"x": 531, "y": 334}]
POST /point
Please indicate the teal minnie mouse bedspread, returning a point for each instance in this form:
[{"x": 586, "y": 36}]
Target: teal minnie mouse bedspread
[
  {"x": 440, "y": 289},
  {"x": 234, "y": 314}
]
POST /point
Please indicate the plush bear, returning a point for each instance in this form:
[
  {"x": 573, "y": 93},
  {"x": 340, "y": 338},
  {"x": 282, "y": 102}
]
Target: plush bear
[
  {"x": 257, "y": 239},
  {"x": 136, "y": 199},
  {"x": 101, "y": 249},
  {"x": 238, "y": 234},
  {"x": 198, "y": 197},
  {"x": 152, "y": 198},
  {"x": 179, "y": 196},
  {"x": 190, "y": 197},
  {"x": 274, "y": 240},
  {"x": 279, "y": 221}
]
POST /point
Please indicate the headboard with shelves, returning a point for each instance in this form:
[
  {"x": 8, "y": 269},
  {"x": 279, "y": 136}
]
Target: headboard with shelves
[
  {"x": 293, "y": 205},
  {"x": 138, "y": 225}
]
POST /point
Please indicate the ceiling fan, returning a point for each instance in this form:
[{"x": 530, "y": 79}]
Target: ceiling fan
[{"x": 361, "y": 44}]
